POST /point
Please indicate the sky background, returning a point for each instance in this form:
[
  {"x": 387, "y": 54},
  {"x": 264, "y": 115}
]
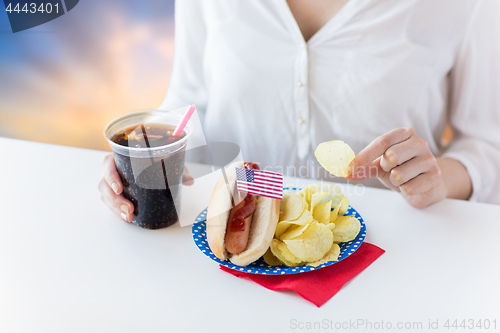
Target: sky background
[{"x": 61, "y": 82}]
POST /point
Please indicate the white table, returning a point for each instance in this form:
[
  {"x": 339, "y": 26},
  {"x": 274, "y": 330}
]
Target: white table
[{"x": 67, "y": 264}]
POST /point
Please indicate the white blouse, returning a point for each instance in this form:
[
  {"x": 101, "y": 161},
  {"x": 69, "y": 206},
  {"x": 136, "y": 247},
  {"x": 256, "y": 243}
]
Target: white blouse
[{"x": 375, "y": 66}]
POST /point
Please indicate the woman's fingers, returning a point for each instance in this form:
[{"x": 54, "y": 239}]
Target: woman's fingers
[
  {"x": 403, "y": 152},
  {"x": 422, "y": 183},
  {"x": 423, "y": 199},
  {"x": 371, "y": 171},
  {"x": 425, "y": 189},
  {"x": 374, "y": 170},
  {"x": 111, "y": 188},
  {"x": 403, "y": 162},
  {"x": 117, "y": 203},
  {"x": 110, "y": 174},
  {"x": 411, "y": 169},
  {"x": 378, "y": 147}
]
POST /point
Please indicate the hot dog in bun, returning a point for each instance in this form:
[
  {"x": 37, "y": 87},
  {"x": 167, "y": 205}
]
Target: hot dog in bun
[{"x": 240, "y": 226}]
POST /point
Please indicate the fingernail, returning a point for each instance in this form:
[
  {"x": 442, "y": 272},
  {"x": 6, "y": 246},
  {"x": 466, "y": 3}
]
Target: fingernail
[
  {"x": 124, "y": 217},
  {"x": 115, "y": 187},
  {"x": 124, "y": 208}
]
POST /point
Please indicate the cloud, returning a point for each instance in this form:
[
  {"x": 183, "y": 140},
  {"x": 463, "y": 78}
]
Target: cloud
[{"x": 101, "y": 59}]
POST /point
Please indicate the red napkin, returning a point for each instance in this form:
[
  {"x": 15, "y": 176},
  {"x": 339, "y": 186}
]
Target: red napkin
[{"x": 320, "y": 285}]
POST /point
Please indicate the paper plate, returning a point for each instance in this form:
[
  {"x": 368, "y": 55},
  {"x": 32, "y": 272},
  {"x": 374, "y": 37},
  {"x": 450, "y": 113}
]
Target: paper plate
[{"x": 259, "y": 266}]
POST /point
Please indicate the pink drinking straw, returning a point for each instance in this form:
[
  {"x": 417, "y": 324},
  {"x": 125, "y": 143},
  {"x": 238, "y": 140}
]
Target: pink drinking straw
[{"x": 180, "y": 128}]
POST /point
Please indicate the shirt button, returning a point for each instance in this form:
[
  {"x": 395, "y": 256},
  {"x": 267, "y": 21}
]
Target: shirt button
[
  {"x": 300, "y": 84},
  {"x": 302, "y": 46},
  {"x": 301, "y": 121}
]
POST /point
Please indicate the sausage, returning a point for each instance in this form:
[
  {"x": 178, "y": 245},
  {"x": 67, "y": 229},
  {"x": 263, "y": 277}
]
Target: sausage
[{"x": 238, "y": 227}]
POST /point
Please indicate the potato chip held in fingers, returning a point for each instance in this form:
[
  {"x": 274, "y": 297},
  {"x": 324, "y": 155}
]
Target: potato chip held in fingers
[{"x": 335, "y": 157}]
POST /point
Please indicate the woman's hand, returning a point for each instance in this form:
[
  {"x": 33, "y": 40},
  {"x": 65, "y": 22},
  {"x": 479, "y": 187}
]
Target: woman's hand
[
  {"x": 403, "y": 162},
  {"x": 111, "y": 189}
]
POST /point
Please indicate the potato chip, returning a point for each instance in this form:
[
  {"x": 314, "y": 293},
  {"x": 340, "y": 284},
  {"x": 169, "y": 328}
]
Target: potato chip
[
  {"x": 282, "y": 226},
  {"x": 321, "y": 213},
  {"x": 316, "y": 199},
  {"x": 314, "y": 187},
  {"x": 290, "y": 259},
  {"x": 270, "y": 258},
  {"x": 331, "y": 255},
  {"x": 308, "y": 229},
  {"x": 344, "y": 206},
  {"x": 286, "y": 194},
  {"x": 294, "y": 207},
  {"x": 334, "y": 194},
  {"x": 346, "y": 228},
  {"x": 335, "y": 157},
  {"x": 305, "y": 217},
  {"x": 334, "y": 214},
  {"x": 281, "y": 251},
  {"x": 312, "y": 244},
  {"x": 293, "y": 231},
  {"x": 306, "y": 194}
]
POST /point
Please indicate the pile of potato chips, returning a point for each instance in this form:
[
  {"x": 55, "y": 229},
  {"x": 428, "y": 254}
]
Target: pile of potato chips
[{"x": 311, "y": 224}]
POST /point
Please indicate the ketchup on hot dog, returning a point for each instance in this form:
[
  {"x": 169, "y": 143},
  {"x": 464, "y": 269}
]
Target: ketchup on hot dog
[
  {"x": 238, "y": 222},
  {"x": 240, "y": 219},
  {"x": 251, "y": 166}
]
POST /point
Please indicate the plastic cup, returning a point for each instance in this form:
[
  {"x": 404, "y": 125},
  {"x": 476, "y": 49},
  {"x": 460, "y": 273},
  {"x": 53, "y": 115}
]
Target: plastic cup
[{"x": 151, "y": 176}]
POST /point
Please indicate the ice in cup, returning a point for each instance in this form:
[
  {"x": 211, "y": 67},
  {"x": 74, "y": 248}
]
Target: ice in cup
[{"x": 149, "y": 165}]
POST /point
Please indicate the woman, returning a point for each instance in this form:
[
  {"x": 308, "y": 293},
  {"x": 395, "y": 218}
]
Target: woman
[{"x": 279, "y": 77}]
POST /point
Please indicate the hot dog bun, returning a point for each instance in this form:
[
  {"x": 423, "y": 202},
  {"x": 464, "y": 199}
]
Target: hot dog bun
[
  {"x": 218, "y": 211},
  {"x": 262, "y": 228}
]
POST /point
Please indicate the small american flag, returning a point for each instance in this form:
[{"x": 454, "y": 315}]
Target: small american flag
[{"x": 264, "y": 183}]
